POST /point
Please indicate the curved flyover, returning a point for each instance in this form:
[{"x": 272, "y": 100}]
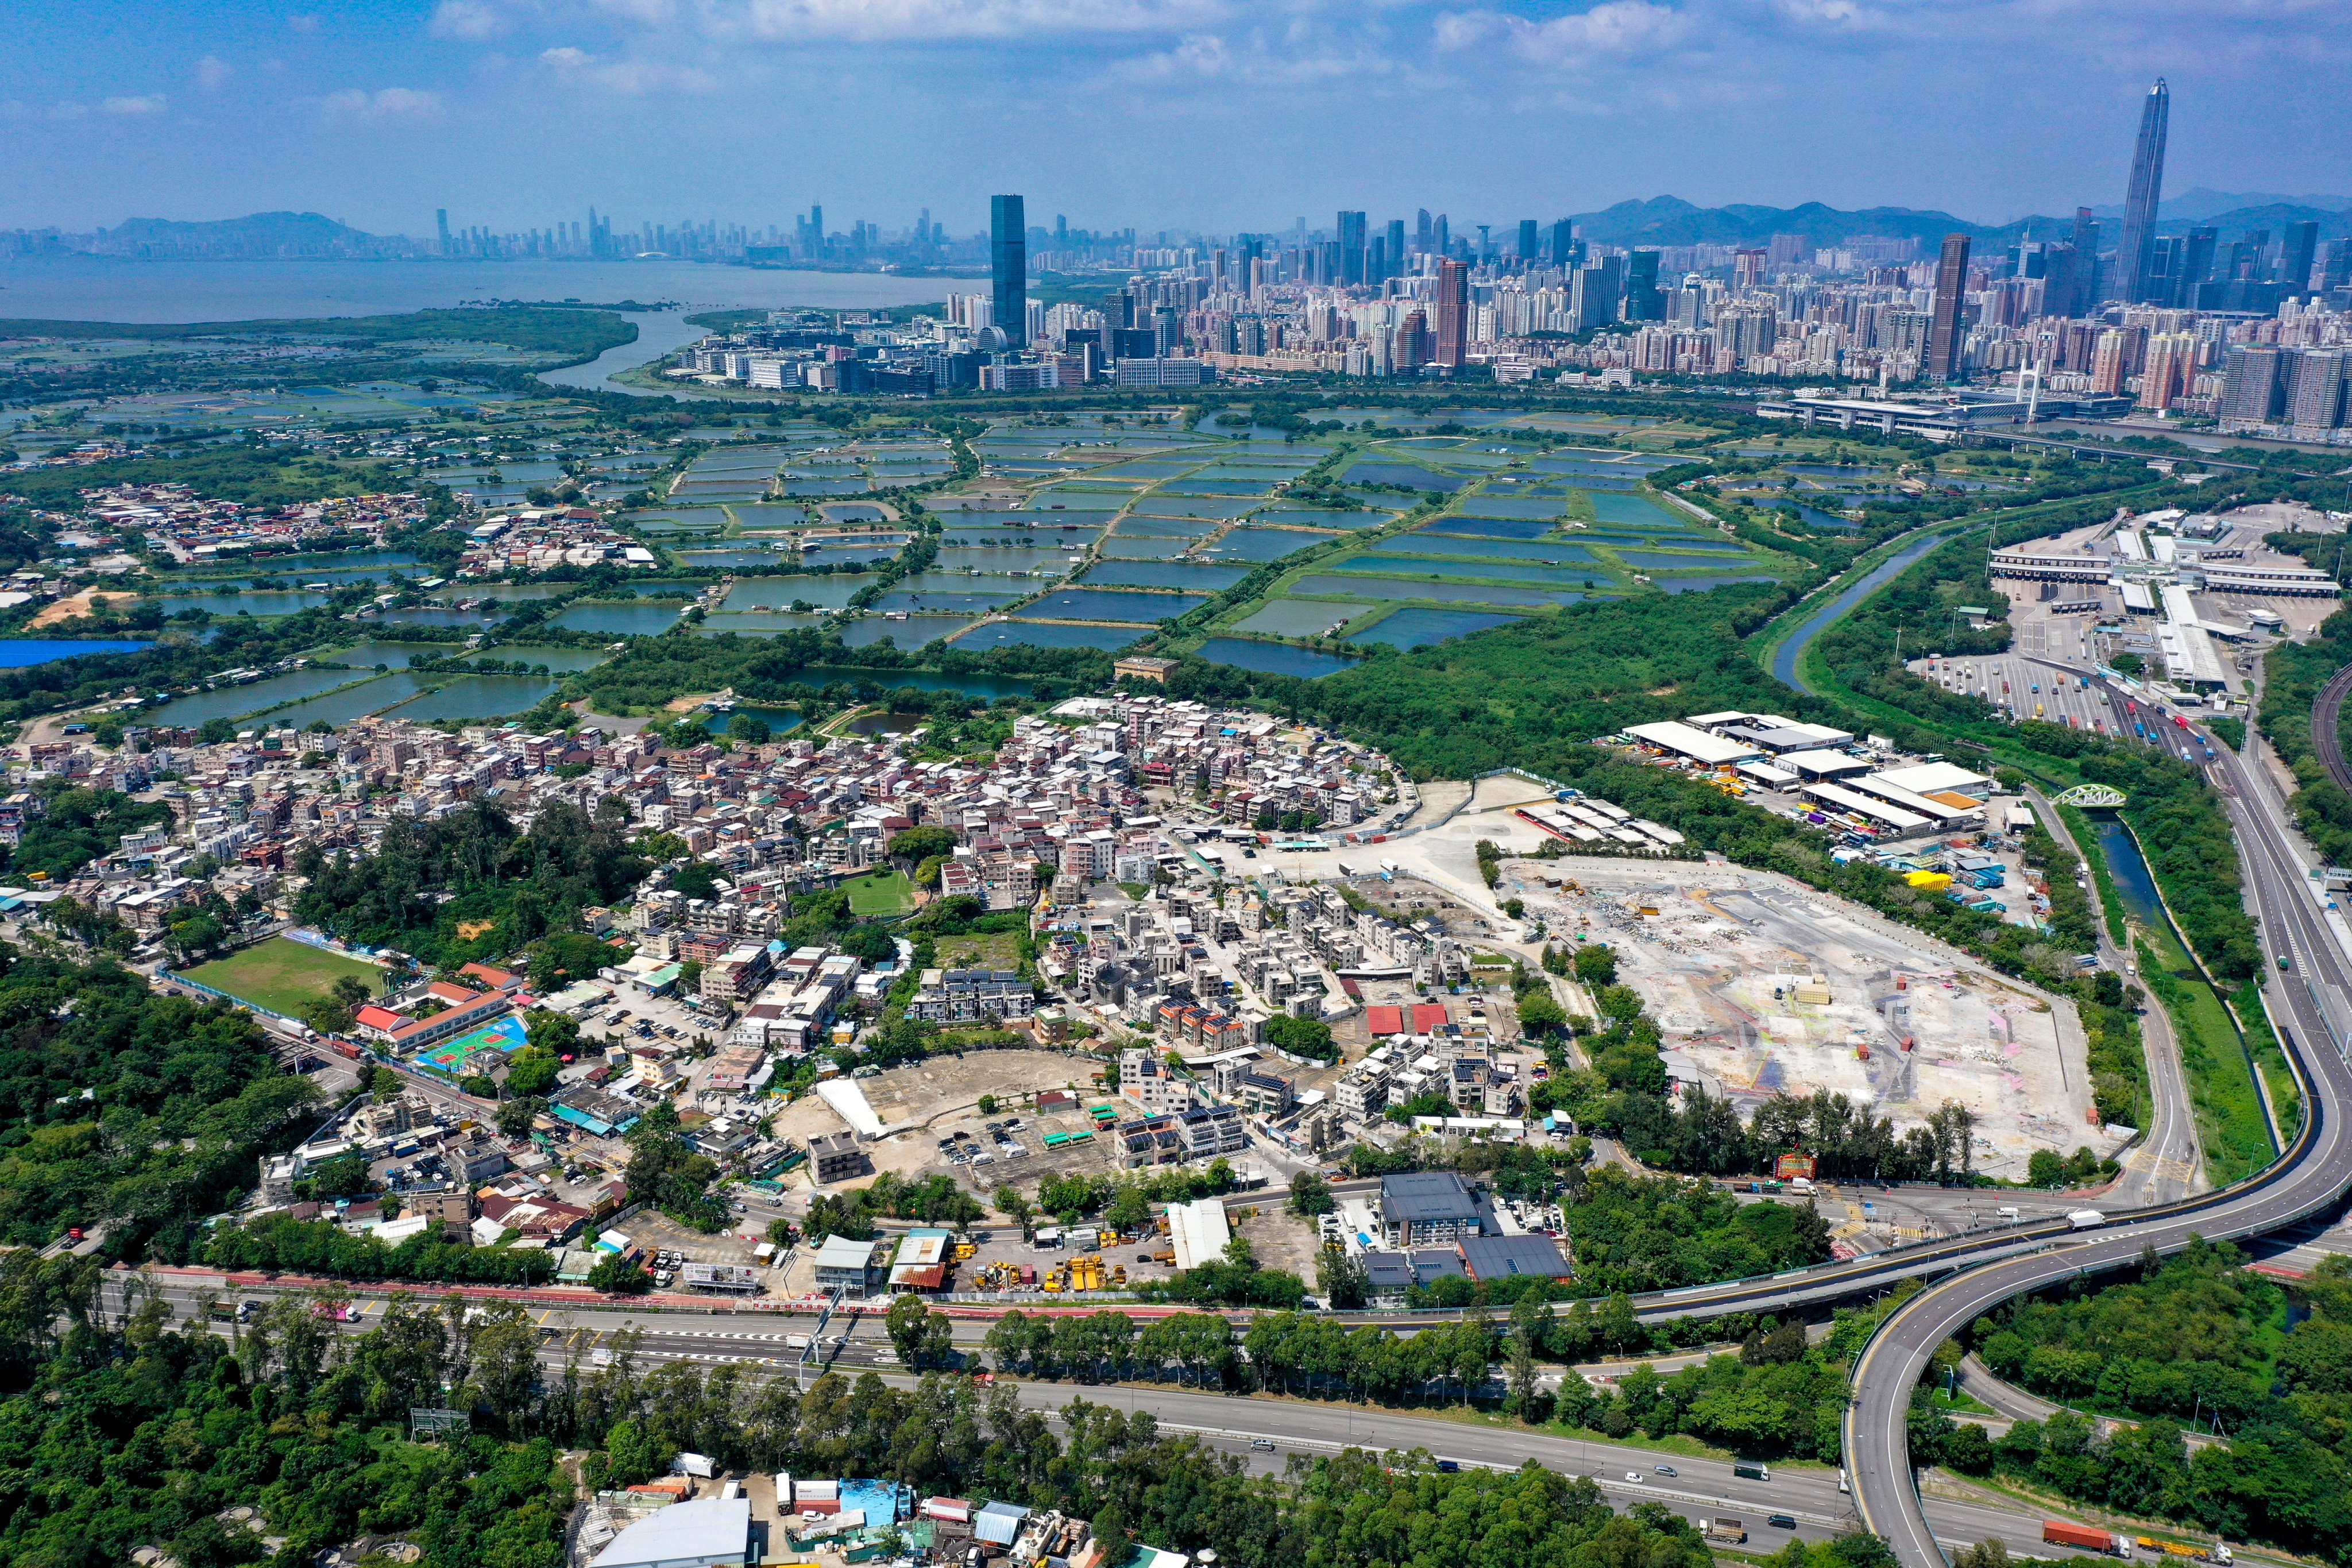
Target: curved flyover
[{"x": 2311, "y": 999}]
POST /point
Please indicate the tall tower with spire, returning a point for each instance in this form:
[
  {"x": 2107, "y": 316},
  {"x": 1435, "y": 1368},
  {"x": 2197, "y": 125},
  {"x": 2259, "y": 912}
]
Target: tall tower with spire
[{"x": 2138, "y": 249}]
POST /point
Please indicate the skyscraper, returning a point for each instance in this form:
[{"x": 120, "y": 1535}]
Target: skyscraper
[
  {"x": 2192, "y": 265},
  {"x": 1944, "y": 337},
  {"x": 1563, "y": 243},
  {"x": 1396, "y": 248},
  {"x": 2139, "y": 246},
  {"x": 1528, "y": 255},
  {"x": 441, "y": 216},
  {"x": 1008, "y": 267},
  {"x": 1450, "y": 314},
  {"x": 1643, "y": 301},
  {"x": 2296, "y": 256},
  {"x": 2086, "y": 261},
  {"x": 1351, "y": 248}
]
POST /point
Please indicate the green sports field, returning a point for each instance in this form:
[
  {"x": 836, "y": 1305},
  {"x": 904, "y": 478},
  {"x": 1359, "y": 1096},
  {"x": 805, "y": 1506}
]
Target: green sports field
[
  {"x": 887, "y": 895},
  {"x": 284, "y": 975}
]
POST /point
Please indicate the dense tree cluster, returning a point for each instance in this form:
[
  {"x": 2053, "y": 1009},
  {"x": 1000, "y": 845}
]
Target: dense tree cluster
[
  {"x": 2195, "y": 1340},
  {"x": 520, "y": 888},
  {"x": 119, "y": 1104}
]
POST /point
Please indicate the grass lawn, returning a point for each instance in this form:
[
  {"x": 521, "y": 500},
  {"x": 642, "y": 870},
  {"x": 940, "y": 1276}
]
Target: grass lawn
[
  {"x": 990, "y": 949},
  {"x": 890, "y": 894},
  {"x": 284, "y": 975}
]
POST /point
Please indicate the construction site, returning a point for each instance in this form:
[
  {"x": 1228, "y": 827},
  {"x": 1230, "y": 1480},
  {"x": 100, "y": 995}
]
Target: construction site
[{"x": 1764, "y": 986}]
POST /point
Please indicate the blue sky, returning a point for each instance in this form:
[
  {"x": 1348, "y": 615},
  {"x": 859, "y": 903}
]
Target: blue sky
[{"x": 1221, "y": 114}]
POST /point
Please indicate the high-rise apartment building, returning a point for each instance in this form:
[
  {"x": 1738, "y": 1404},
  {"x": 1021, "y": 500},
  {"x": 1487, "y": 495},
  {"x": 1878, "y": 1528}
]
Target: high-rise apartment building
[
  {"x": 1450, "y": 314},
  {"x": 2252, "y": 386},
  {"x": 1747, "y": 269},
  {"x": 1008, "y": 267},
  {"x": 2314, "y": 395},
  {"x": 1945, "y": 336},
  {"x": 2137, "y": 249},
  {"x": 2169, "y": 371}
]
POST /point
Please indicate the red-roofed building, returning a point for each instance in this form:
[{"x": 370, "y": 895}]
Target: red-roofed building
[
  {"x": 496, "y": 979},
  {"x": 1386, "y": 1020},
  {"x": 378, "y": 1020},
  {"x": 1428, "y": 1017}
]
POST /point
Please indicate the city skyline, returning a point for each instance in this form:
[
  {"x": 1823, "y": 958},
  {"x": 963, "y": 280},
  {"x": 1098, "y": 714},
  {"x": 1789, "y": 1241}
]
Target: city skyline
[{"x": 507, "y": 113}]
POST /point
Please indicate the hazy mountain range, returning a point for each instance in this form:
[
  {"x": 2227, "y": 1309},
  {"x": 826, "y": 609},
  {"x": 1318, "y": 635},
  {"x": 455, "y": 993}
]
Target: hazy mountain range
[
  {"x": 1670, "y": 220},
  {"x": 1660, "y": 220}
]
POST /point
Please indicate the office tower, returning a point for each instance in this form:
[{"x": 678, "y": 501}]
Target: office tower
[
  {"x": 441, "y": 218},
  {"x": 1944, "y": 329},
  {"x": 1061, "y": 229},
  {"x": 2086, "y": 261},
  {"x": 1450, "y": 313},
  {"x": 1422, "y": 240},
  {"x": 1563, "y": 240},
  {"x": 2315, "y": 394},
  {"x": 1351, "y": 248},
  {"x": 2339, "y": 267},
  {"x": 2061, "y": 280},
  {"x": 1442, "y": 237},
  {"x": 1167, "y": 336},
  {"x": 1376, "y": 260},
  {"x": 2254, "y": 386},
  {"x": 2138, "y": 249},
  {"x": 1643, "y": 301},
  {"x": 1008, "y": 267},
  {"x": 2192, "y": 264},
  {"x": 1396, "y": 248},
  {"x": 2297, "y": 255},
  {"x": 1595, "y": 292},
  {"x": 1527, "y": 257}
]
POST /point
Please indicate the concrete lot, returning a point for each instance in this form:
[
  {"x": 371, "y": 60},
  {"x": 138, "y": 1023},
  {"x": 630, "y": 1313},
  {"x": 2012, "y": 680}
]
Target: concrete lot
[{"x": 1724, "y": 941}]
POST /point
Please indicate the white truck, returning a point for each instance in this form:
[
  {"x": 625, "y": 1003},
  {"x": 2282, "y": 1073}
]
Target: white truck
[{"x": 2087, "y": 1219}]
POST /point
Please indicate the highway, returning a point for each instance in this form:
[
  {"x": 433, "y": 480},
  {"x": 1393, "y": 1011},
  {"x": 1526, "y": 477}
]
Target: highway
[
  {"x": 2310, "y": 995},
  {"x": 1701, "y": 1488}
]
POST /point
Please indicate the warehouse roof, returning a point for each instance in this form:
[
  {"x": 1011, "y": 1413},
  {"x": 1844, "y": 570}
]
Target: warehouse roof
[
  {"x": 1504, "y": 1257},
  {"x": 1425, "y": 1195},
  {"x": 700, "y": 1534}
]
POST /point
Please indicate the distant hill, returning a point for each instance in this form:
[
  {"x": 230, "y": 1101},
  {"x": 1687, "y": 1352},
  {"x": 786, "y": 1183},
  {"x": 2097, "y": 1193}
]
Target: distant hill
[
  {"x": 258, "y": 234},
  {"x": 1670, "y": 220}
]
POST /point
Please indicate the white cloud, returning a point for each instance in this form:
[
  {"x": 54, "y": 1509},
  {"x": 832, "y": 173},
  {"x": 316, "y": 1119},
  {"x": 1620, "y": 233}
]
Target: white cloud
[
  {"x": 467, "y": 19},
  {"x": 213, "y": 73},
  {"x": 148, "y": 103},
  {"x": 386, "y": 106},
  {"x": 921, "y": 20},
  {"x": 1304, "y": 56},
  {"x": 1614, "y": 29},
  {"x": 628, "y": 77},
  {"x": 301, "y": 22}
]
